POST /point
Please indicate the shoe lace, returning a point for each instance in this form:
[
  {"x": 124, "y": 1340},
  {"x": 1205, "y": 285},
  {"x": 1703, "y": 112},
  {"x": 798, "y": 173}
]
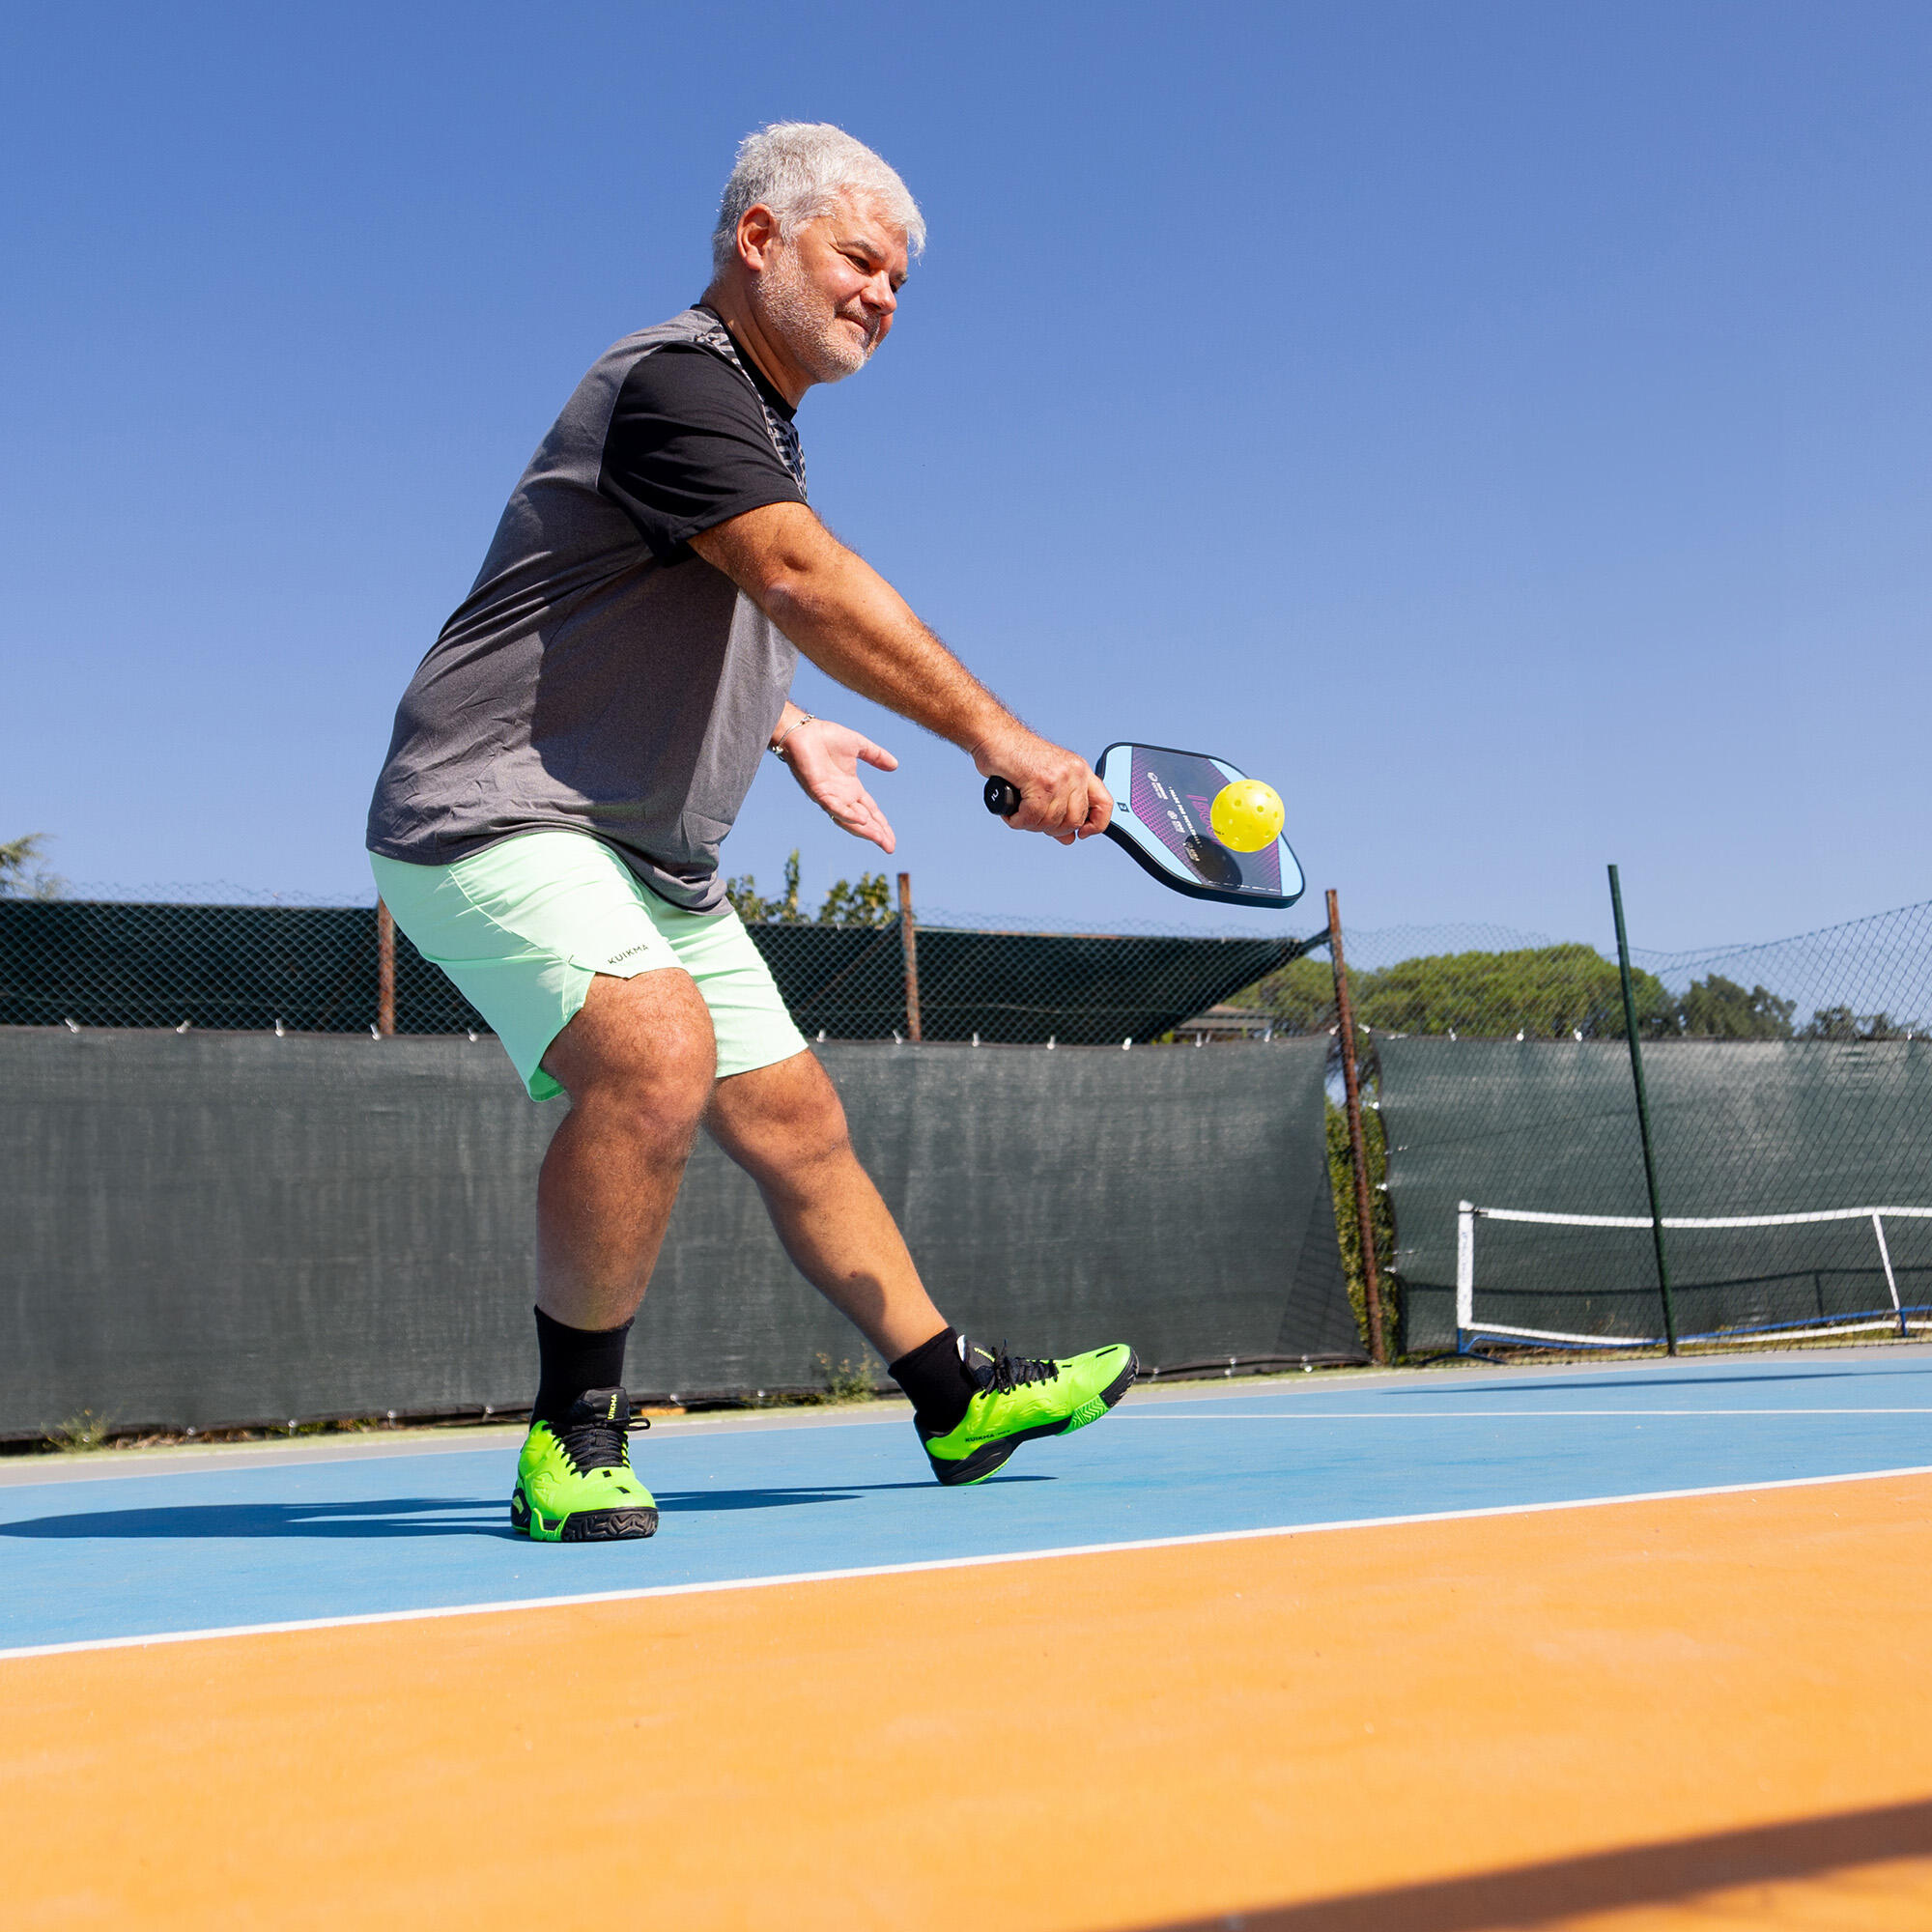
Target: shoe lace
[
  {"x": 1010, "y": 1372},
  {"x": 599, "y": 1444}
]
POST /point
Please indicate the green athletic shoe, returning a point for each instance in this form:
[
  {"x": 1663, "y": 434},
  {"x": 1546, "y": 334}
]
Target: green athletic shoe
[
  {"x": 575, "y": 1484},
  {"x": 1019, "y": 1399}
]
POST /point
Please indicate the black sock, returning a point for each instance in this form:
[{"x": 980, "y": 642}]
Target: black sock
[
  {"x": 934, "y": 1377},
  {"x": 571, "y": 1360}
]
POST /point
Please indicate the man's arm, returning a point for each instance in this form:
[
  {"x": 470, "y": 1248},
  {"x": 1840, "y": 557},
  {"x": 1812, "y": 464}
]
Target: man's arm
[{"x": 855, "y": 627}]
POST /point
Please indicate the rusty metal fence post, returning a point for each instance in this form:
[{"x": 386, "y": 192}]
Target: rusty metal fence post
[
  {"x": 1358, "y": 1154},
  {"x": 909, "y": 943},
  {"x": 385, "y": 971}
]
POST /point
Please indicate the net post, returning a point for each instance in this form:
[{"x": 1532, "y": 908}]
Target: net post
[
  {"x": 909, "y": 943},
  {"x": 1890, "y": 1280},
  {"x": 1465, "y": 1273},
  {"x": 1358, "y": 1155},
  {"x": 385, "y": 971},
  {"x": 1643, "y": 1114}
]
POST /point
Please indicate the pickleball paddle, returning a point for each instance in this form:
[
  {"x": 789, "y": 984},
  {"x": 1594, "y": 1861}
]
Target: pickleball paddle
[{"x": 1163, "y": 804}]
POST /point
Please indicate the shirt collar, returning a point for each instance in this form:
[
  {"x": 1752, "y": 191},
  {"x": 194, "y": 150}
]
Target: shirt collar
[{"x": 773, "y": 398}]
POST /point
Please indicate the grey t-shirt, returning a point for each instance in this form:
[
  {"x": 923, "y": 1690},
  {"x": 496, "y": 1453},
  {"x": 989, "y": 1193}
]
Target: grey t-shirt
[{"x": 600, "y": 675}]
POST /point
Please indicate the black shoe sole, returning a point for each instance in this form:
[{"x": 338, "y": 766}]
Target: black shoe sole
[
  {"x": 982, "y": 1463},
  {"x": 608, "y": 1525},
  {"x": 611, "y": 1525}
]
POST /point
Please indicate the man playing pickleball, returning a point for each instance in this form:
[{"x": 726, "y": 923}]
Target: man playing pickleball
[{"x": 574, "y": 748}]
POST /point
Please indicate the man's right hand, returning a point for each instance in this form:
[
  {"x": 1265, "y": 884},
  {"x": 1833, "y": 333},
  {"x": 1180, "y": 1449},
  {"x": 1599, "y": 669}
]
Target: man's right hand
[{"x": 1060, "y": 792}]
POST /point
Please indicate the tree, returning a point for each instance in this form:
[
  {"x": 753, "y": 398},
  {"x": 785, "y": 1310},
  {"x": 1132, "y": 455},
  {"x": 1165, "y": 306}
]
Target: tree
[
  {"x": 1842, "y": 1024},
  {"x": 1545, "y": 992},
  {"x": 1719, "y": 1008},
  {"x": 743, "y": 893},
  {"x": 1349, "y": 1227},
  {"x": 1299, "y": 997},
  {"x": 866, "y": 903},
  {"x": 22, "y": 876}
]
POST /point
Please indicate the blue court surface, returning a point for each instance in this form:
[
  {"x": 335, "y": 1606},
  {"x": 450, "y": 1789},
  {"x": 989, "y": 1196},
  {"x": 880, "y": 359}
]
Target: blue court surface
[{"x": 222, "y": 1543}]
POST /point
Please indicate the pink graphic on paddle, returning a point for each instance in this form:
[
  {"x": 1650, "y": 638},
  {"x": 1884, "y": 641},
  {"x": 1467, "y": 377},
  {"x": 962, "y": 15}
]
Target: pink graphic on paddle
[{"x": 1172, "y": 794}]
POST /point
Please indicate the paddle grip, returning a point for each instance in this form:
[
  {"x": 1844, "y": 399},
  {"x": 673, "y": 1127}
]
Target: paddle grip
[{"x": 1002, "y": 797}]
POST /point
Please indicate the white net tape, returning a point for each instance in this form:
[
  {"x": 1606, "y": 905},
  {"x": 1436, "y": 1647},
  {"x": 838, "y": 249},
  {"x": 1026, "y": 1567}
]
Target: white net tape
[{"x": 1469, "y": 1329}]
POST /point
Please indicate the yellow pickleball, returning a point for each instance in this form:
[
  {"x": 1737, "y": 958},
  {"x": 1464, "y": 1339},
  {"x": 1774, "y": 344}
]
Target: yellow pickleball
[{"x": 1246, "y": 815}]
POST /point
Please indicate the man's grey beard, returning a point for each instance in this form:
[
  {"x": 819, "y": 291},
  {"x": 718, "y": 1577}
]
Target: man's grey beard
[{"x": 810, "y": 330}]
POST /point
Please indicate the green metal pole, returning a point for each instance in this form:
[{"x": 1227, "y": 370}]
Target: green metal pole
[{"x": 1643, "y": 1114}]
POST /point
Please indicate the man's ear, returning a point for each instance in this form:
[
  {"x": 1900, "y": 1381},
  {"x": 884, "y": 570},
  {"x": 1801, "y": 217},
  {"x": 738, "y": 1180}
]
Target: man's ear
[{"x": 758, "y": 237}]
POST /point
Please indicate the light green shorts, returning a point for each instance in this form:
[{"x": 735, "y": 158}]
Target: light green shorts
[{"x": 524, "y": 925}]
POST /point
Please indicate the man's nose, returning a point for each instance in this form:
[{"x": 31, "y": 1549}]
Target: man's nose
[{"x": 879, "y": 294}]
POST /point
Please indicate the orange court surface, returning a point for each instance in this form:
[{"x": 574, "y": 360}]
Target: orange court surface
[{"x": 1628, "y": 1648}]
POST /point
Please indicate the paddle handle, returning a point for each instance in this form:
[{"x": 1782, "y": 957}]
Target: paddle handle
[{"x": 1002, "y": 797}]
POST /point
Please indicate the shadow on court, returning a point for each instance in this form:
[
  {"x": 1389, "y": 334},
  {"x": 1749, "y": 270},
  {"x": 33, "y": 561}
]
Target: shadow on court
[
  {"x": 392, "y": 1517},
  {"x": 399, "y": 1516},
  {"x": 1809, "y": 1849}
]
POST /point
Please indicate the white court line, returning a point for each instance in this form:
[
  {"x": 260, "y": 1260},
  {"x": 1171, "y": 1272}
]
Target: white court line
[
  {"x": 1490, "y": 1414},
  {"x": 646, "y": 1591}
]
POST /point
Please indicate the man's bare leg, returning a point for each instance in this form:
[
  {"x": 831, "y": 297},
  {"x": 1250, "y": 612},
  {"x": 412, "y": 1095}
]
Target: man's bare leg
[
  {"x": 637, "y": 1063},
  {"x": 783, "y": 1124}
]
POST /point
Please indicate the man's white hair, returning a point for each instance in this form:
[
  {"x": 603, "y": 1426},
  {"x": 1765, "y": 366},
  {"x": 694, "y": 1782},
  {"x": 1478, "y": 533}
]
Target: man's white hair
[{"x": 798, "y": 169}]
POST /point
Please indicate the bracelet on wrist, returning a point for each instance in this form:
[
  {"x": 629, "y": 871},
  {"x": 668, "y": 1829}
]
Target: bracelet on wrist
[{"x": 776, "y": 746}]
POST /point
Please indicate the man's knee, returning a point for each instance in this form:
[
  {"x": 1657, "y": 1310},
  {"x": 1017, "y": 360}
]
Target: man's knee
[
  {"x": 780, "y": 1118},
  {"x": 641, "y": 1045}
]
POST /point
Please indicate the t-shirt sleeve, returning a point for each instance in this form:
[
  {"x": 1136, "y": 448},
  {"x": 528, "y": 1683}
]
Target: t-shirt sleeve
[{"x": 688, "y": 448}]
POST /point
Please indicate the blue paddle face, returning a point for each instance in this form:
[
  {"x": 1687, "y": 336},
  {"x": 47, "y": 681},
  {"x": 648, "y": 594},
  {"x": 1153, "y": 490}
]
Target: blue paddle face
[{"x": 1162, "y": 799}]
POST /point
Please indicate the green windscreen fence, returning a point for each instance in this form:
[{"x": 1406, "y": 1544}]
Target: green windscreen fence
[
  {"x": 230, "y": 1227},
  {"x": 313, "y": 969},
  {"x": 1790, "y": 1094},
  {"x": 1744, "y": 1130}
]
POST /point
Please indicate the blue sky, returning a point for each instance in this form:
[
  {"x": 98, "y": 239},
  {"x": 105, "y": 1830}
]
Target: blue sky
[{"x": 1501, "y": 426}]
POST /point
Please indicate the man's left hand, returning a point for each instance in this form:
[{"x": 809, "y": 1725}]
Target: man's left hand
[{"x": 825, "y": 759}]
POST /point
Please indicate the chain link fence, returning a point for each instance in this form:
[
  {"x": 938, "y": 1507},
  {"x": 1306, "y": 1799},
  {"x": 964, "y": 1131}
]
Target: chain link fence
[
  {"x": 195, "y": 961},
  {"x": 1789, "y": 1090},
  {"x": 1790, "y": 1084},
  {"x": 234, "y": 967}
]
